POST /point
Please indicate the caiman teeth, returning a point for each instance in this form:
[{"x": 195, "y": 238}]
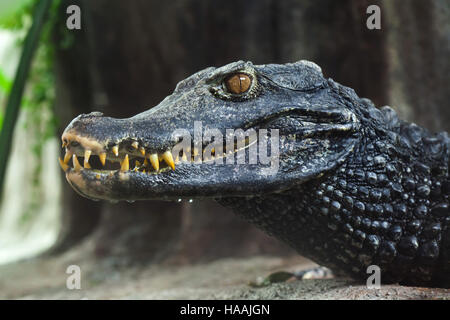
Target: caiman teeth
[
  {"x": 87, "y": 155},
  {"x": 135, "y": 144},
  {"x": 154, "y": 161},
  {"x": 125, "y": 164},
  {"x": 102, "y": 157},
  {"x": 142, "y": 151},
  {"x": 63, "y": 165},
  {"x": 67, "y": 156},
  {"x": 76, "y": 165},
  {"x": 167, "y": 156},
  {"x": 115, "y": 150}
]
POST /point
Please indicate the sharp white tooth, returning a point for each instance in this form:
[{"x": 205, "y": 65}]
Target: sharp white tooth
[
  {"x": 87, "y": 155},
  {"x": 142, "y": 151},
  {"x": 102, "y": 157},
  {"x": 125, "y": 165},
  {"x": 135, "y": 144},
  {"x": 67, "y": 156},
  {"x": 63, "y": 165},
  {"x": 76, "y": 165},
  {"x": 115, "y": 150},
  {"x": 167, "y": 156},
  {"x": 154, "y": 161}
]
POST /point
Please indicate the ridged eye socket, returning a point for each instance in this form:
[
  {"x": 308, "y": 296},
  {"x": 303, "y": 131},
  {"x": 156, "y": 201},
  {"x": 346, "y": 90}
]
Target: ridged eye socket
[{"x": 238, "y": 83}]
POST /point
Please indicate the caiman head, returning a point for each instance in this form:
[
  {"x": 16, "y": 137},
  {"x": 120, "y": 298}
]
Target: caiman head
[{"x": 294, "y": 126}]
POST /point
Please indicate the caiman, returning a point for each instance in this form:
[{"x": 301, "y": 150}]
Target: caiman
[{"x": 353, "y": 185}]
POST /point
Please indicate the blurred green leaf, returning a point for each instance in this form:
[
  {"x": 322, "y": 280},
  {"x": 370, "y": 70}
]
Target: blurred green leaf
[
  {"x": 15, "y": 96},
  {"x": 5, "y": 83},
  {"x": 9, "y": 9}
]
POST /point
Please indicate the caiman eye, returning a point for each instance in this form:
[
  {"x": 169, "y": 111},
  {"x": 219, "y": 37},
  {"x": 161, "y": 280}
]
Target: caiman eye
[{"x": 238, "y": 83}]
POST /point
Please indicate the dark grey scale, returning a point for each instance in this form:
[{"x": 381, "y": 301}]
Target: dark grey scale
[
  {"x": 421, "y": 211},
  {"x": 338, "y": 194},
  {"x": 440, "y": 210},
  {"x": 375, "y": 226},
  {"x": 432, "y": 230},
  {"x": 423, "y": 191},
  {"x": 386, "y": 194},
  {"x": 380, "y": 161},
  {"x": 413, "y": 226},
  {"x": 395, "y": 233},
  {"x": 335, "y": 206},
  {"x": 382, "y": 179},
  {"x": 391, "y": 170},
  {"x": 408, "y": 246},
  {"x": 356, "y": 221},
  {"x": 388, "y": 210},
  {"x": 446, "y": 187},
  {"x": 384, "y": 227},
  {"x": 400, "y": 210},
  {"x": 375, "y": 194},
  {"x": 348, "y": 229},
  {"x": 378, "y": 210},
  {"x": 371, "y": 178},
  {"x": 368, "y": 161},
  {"x": 363, "y": 192},
  {"x": 352, "y": 189},
  {"x": 387, "y": 252},
  {"x": 359, "y": 207},
  {"x": 358, "y": 239},
  {"x": 342, "y": 184},
  {"x": 329, "y": 190},
  {"x": 359, "y": 175},
  {"x": 348, "y": 202},
  {"x": 366, "y": 223},
  {"x": 409, "y": 184},
  {"x": 422, "y": 168},
  {"x": 397, "y": 190},
  {"x": 428, "y": 252},
  {"x": 369, "y": 210},
  {"x": 369, "y": 249}
]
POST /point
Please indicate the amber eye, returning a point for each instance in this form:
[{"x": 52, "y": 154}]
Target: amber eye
[{"x": 238, "y": 83}]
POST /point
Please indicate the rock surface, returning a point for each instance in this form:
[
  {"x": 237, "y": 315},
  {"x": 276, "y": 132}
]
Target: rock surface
[{"x": 45, "y": 278}]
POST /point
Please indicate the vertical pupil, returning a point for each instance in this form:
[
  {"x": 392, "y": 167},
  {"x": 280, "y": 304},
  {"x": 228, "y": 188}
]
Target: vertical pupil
[{"x": 238, "y": 83}]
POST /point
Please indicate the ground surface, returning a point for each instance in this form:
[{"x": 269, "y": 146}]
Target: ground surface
[{"x": 221, "y": 279}]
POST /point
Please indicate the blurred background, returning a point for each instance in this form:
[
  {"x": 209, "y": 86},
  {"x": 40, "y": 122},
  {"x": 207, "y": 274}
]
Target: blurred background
[{"x": 129, "y": 55}]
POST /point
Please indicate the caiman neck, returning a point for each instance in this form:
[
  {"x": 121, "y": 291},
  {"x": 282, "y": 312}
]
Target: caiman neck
[{"x": 385, "y": 205}]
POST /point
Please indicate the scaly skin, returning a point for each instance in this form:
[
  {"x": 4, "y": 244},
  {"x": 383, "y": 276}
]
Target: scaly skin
[{"x": 355, "y": 186}]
